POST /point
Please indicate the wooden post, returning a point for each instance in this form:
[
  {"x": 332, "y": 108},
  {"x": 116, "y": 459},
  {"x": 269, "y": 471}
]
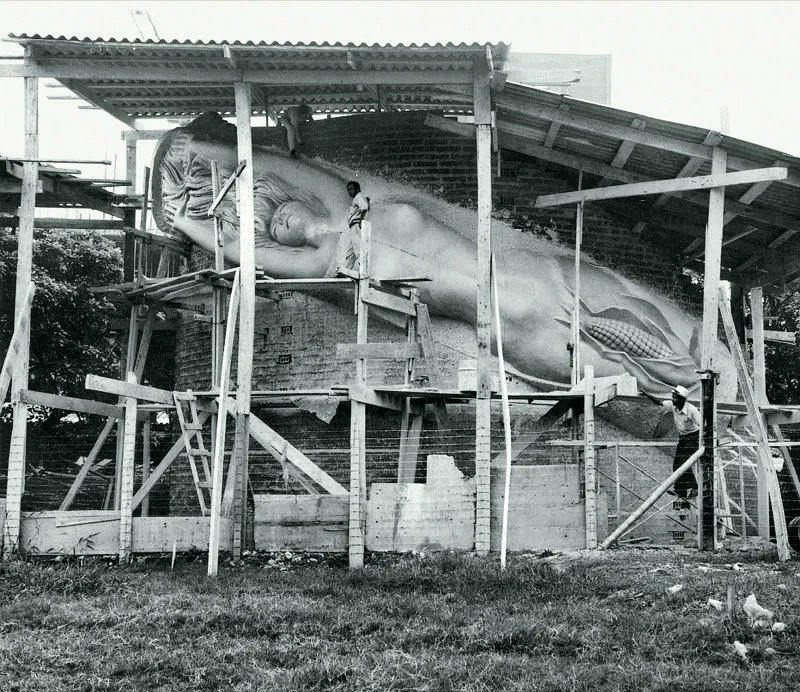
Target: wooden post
[
  {"x": 716, "y": 211},
  {"x": 764, "y": 456},
  {"x": 126, "y": 373},
  {"x": 759, "y": 359},
  {"x": 125, "y": 488},
  {"x": 139, "y": 243},
  {"x": 247, "y": 272},
  {"x": 358, "y": 420},
  {"x": 713, "y": 248},
  {"x": 706, "y": 535},
  {"x": 576, "y": 308},
  {"x": 146, "y": 432},
  {"x": 506, "y": 417},
  {"x": 589, "y": 459},
  {"x": 410, "y": 423},
  {"x": 129, "y": 247},
  {"x": 483, "y": 324},
  {"x": 218, "y": 451},
  {"x": 16, "y": 459},
  {"x": 130, "y": 164}
]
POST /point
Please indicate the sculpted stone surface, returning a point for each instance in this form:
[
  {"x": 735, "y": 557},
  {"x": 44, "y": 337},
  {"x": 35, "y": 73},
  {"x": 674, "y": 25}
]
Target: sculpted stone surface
[{"x": 301, "y": 231}]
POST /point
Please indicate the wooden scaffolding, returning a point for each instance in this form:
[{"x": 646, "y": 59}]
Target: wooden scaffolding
[{"x": 466, "y": 76}]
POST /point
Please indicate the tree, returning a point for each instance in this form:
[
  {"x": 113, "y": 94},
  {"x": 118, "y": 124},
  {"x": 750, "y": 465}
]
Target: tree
[
  {"x": 783, "y": 360},
  {"x": 70, "y": 334}
]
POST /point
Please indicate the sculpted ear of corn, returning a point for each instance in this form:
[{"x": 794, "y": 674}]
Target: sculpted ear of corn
[{"x": 627, "y": 338}]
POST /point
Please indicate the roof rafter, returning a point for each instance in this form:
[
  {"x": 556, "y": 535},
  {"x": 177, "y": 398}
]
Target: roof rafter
[
  {"x": 81, "y": 90},
  {"x": 625, "y": 149}
]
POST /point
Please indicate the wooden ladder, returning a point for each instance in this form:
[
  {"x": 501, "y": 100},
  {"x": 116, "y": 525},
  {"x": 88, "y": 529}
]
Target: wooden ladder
[{"x": 192, "y": 432}]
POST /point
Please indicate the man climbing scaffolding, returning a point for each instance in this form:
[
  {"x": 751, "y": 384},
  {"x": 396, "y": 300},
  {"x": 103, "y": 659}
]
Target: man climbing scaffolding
[{"x": 687, "y": 422}]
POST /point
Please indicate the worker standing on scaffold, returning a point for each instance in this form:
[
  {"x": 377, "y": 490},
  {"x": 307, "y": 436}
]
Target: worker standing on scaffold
[
  {"x": 358, "y": 212},
  {"x": 687, "y": 423}
]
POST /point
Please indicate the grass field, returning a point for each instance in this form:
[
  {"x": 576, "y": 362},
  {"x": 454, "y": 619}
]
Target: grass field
[{"x": 605, "y": 621}]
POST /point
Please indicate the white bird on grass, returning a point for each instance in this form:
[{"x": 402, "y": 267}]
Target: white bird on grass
[{"x": 758, "y": 616}]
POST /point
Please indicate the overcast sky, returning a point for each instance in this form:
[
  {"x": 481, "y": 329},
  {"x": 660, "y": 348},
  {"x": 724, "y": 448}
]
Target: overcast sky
[{"x": 681, "y": 61}]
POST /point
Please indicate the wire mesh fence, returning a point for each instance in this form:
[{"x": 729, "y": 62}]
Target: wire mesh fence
[{"x": 628, "y": 470}]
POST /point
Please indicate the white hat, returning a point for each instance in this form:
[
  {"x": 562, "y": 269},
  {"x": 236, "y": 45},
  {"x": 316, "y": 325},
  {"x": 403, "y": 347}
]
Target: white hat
[{"x": 681, "y": 391}]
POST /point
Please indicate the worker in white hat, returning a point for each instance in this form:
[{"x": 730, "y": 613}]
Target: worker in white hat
[{"x": 687, "y": 422}]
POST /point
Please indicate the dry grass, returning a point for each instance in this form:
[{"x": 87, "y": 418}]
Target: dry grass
[{"x": 437, "y": 622}]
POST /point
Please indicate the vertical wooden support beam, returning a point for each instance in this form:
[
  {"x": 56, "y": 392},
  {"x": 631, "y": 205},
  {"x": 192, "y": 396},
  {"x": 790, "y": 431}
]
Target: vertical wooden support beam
[
  {"x": 127, "y": 373},
  {"x": 739, "y": 309},
  {"x": 239, "y": 473},
  {"x": 15, "y": 484},
  {"x": 247, "y": 273},
  {"x": 130, "y": 164},
  {"x": 218, "y": 450},
  {"x": 139, "y": 242},
  {"x": 358, "y": 415},
  {"x": 759, "y": 359},
  {"x": 483, "y": 324},
  {"x": 716, "y": 211},
  {"x": 410, "y": 437},
  {"x": 129, "y": 247},
  {"x": 760, "y": 393},
  {"x": 706, "y": 535},
  {"x": 410, "y": 423},
  {"x": 146, "y": 432},
  {"x": 576, "y": 308},
  {"x": 125, "y": 490},
  {"x": 247, "y": 266},
  {"x": 713, "y": 251},
  {"x": 589, "y": 458},
  {"x": 764, "y": 456}
]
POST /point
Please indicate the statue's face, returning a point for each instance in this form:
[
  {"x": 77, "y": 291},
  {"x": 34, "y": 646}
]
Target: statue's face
[{"x": 291, "y": 224}]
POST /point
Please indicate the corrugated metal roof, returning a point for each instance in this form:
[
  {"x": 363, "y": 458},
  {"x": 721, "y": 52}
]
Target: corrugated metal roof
[
  {"x": 160, "y": 92},
  {"x": 762, "y": 235}
]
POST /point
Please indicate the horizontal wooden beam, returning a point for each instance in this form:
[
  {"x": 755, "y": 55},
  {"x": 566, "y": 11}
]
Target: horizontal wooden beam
[
  {"x": 80, "y": 224},
  {"x": 136, "y": 135},
  {"x": 777, "y": 337},
  {"x": 656, "y": 187},
  {"x": 120, "y": 388},
  {"x": 66, "y": 71},
  {"x": 389, "y": 301},
  {"x": 379, "y": 351},
  {"x": 70, "y": 403},
  {"x": 13, "y": 186},
  {"x": 602, "y": 127},
  {"x": 373, "y": 398}
]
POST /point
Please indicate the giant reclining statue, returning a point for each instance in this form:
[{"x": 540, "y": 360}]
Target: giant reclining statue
[{"x": 301, "y": 208}]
